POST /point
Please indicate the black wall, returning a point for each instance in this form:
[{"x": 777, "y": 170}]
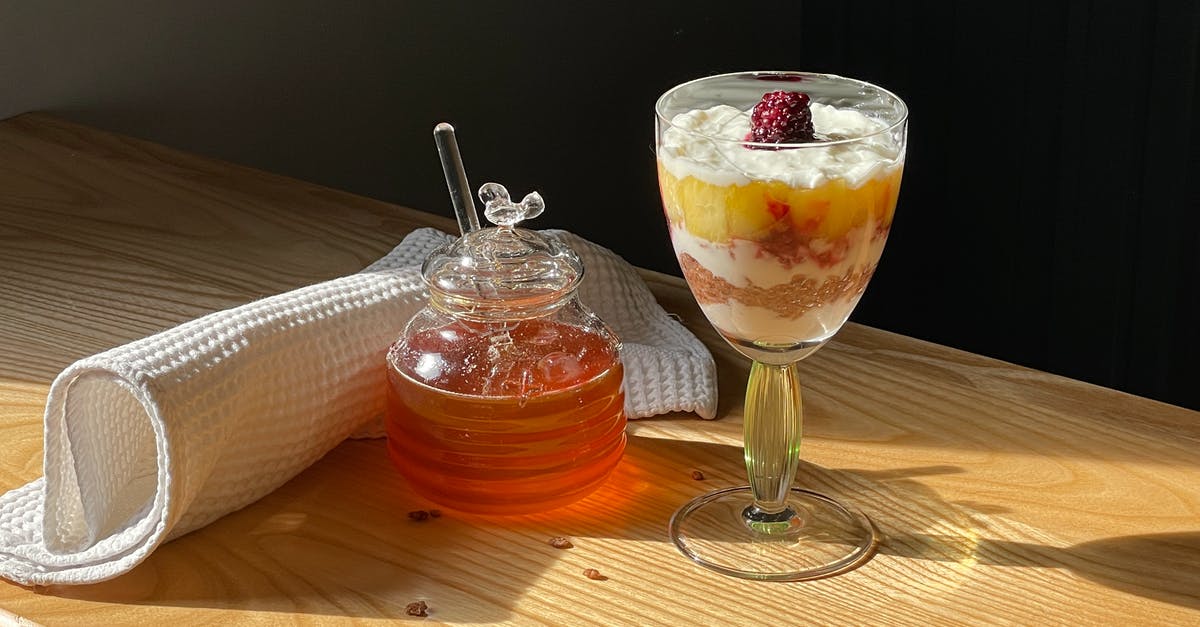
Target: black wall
[{"x": 1049, "y": 209}]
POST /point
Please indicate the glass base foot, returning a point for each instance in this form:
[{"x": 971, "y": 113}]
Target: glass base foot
[{"x": 814, "y": 537}]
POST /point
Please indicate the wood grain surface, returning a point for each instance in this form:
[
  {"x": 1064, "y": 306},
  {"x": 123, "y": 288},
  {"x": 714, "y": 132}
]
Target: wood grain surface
[{"x": 1004, "y": 495}]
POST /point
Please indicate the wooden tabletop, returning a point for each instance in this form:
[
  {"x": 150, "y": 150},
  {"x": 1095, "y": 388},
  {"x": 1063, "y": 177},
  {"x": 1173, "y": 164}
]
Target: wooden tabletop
[{"x": 1003, "y": 494}]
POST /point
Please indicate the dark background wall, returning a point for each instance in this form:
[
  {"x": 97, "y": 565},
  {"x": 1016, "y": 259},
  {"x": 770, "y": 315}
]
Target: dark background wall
[{"x": 1049, "y": 209}]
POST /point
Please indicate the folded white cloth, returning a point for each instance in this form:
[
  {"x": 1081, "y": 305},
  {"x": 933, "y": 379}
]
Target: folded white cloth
[{"x": 159, "y": 437}]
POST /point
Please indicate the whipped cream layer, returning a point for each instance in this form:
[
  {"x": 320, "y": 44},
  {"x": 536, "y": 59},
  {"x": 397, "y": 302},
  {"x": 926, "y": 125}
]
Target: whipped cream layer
[{"x": 708, "y": 144}]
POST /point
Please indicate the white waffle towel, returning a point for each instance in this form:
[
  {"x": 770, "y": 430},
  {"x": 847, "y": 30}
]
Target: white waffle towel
[{"x": 148, "y": 441}]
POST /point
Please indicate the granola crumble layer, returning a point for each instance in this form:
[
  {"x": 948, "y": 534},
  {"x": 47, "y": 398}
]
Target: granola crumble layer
[{"x": 789, "y": 300}]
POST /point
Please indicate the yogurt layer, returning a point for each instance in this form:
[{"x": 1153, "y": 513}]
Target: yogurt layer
[
  {"x": 743, "y": 263},
  {"x": 708, "y": 144}
]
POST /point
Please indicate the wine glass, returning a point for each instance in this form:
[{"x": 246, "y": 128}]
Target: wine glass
[{"x": 777, "y": 242}]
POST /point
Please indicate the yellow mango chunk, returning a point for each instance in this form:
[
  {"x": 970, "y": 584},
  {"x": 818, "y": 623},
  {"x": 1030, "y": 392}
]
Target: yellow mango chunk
[{"x": 721, "y": 212}]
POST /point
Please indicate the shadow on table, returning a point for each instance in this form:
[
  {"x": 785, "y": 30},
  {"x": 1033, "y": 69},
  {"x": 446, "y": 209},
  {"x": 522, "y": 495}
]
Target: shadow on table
[
  {"x": 1159, "y": 566},
  {"x": 337, "y": 540},
  {"x": 1162, "y": 567}
]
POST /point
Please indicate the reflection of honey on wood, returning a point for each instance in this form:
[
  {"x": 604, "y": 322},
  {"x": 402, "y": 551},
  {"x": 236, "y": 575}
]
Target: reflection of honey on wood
[{"x": 509, "y": 454}]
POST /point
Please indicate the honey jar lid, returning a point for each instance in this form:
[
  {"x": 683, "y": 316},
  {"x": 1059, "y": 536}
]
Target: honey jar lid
[{"x": 502, "y": 271}]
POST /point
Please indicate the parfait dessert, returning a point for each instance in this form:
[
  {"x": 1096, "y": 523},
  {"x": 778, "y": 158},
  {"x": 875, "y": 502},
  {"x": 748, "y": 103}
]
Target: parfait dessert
[
  {"x": 778, "y": 212},
  {"x": 779, "y": 190}
]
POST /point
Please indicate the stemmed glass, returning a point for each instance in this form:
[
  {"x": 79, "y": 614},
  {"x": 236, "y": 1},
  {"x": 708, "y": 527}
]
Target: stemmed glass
[{"x": 777, "y": 242}]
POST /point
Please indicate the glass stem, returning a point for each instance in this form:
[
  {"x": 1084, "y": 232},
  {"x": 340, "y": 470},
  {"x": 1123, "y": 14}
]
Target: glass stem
[{"x": 773, "y": 419}]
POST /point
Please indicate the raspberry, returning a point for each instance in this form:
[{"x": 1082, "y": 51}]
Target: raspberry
[{"x": 781, "y": 117}]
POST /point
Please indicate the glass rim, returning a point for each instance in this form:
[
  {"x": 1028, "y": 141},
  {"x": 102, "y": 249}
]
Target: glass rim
[{"x": 900, "y": 121}]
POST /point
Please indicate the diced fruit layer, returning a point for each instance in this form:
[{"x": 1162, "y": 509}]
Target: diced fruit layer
[{"x": 720, "y": 213}]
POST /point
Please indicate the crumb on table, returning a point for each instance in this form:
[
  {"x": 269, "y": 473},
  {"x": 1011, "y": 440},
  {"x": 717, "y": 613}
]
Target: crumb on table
[
  {"x": 560, "y": 542},
  {"x": 417, "y": 608},
  {"x": 593, "y": 574}
]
